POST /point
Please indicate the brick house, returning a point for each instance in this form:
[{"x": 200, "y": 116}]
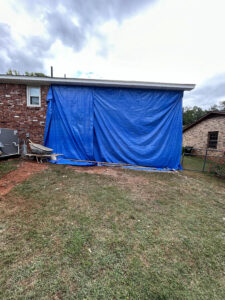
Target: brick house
[
  {"x": 16, "y": 113},
  {"x": 23, "y": 99},
  {"x": 206, "y": 133}
]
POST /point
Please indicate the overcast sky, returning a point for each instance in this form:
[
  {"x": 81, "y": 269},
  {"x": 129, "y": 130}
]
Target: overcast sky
[{"x": 179, "y": 41}]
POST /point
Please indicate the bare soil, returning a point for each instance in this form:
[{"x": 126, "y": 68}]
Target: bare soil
[
  {"x": 122, "y": 177},
  {"x": 111, "y": 171},
  {"x": 23, "y": 172}
]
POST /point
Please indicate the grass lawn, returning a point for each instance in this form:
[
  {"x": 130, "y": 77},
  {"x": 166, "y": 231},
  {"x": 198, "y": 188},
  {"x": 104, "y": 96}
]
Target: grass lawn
[
  {"x": 196, "y": 163},
  {"x": 8, "y": 165},
  {"x": 137, "y": 235}
]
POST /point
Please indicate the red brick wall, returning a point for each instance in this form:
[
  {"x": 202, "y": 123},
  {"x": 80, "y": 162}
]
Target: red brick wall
[{"x": 15, "y": 114}]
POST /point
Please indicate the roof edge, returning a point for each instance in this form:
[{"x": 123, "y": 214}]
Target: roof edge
[
  {"x": 214, "y": 112},
  {"x": 22, "y": 79}
]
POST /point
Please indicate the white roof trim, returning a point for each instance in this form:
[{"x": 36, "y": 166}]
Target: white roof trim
[{"x": 22, "y": 79}]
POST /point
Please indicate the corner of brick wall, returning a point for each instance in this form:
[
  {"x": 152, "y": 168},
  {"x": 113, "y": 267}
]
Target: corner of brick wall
[
  {"x": 197, "y": 136},
  {"x": 16, "y": 115}
]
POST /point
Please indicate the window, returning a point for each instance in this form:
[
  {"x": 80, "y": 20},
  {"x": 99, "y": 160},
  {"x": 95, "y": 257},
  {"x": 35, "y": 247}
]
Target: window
[
  {"x": 212, "y": 139},
  {"x": 33, "y": 96}
]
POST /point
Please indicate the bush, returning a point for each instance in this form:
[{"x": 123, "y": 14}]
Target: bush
[{"x": 219, "y": 168}]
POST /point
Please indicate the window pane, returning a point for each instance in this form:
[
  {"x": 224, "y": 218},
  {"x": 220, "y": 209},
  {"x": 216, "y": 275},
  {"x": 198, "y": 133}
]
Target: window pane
[
  {"x": 212, "y": 144},
  {"x": 212, "y": 139},
  {"x": 35, "y": 92},
  {"x": 213, "y": 136},
  {"x": 34, "y": 100}
]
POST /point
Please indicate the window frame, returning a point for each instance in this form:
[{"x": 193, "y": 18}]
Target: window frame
[
  {"x": 212, "y": 140},
  {"x": 29, "y": 104}
]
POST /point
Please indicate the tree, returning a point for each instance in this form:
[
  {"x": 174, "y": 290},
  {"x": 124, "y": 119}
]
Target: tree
[
  {"x": 222, "y": 105},
  {"x": 15, "y": 72},
  {"x": 12, "y": 72},
  {"x": 219, "y": 107},
  {"x": 35, "y": 74},
  {"x": 192, "y": 114}
]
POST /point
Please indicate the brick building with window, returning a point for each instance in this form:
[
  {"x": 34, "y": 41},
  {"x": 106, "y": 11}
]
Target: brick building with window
[
  {"x": 23, "y": 107},
  {"x": 23, "y": 104},
  {"x": 206, "y": 133}
]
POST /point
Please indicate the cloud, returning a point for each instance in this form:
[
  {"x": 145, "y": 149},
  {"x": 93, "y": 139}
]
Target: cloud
[
  {"x": 73, "y": 23},
  {"x": 210, "y": 92},
  {"x": 4, "y": 34},
  {"x": 28, "y": 57},
  {"x": 62, "y": 28},
  {"x": 5, "y": 42}
]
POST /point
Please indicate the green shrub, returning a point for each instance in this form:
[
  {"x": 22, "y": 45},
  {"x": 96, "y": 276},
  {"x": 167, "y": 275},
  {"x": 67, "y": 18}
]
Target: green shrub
[{"x": 219, "y": 168}]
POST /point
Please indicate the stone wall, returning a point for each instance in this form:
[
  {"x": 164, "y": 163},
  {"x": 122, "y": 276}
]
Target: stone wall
[
  {"x": 197, "y": 136},
  {"x": 15, "y": 114}
]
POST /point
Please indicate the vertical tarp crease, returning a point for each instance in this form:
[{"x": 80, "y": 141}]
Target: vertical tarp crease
[{"x": 117, "y": 125}]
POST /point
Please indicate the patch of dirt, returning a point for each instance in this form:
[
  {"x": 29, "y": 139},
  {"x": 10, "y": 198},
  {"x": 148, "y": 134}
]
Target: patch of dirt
[
  {"x": 122, "y": 177},
  {"x": 23, "y": 172},
  {"x": 112, "y": 171}
]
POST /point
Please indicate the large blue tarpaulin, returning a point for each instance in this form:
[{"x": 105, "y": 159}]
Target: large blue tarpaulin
[{"x": 117, "y": 125}]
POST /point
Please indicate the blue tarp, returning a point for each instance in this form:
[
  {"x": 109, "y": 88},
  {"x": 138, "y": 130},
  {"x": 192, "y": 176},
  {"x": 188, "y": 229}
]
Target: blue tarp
[{"x": 116, "y": 125}]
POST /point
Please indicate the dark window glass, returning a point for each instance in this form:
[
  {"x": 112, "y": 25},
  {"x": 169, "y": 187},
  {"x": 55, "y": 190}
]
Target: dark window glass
[
  {"x": 34, "y": 100},
  {"x": 212, "y": 139}
]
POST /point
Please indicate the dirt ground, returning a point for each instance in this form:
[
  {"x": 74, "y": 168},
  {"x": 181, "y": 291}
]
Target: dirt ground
[
  {"x": 112, "y": 171},
  {"x": 24, "y": 171},
  {"x": 122, "y": 177},
  {"x": 27, "y": 168}
]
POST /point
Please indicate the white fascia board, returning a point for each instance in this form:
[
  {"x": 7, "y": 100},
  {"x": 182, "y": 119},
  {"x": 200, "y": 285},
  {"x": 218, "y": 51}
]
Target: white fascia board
[{"x": 28, "y": 80}]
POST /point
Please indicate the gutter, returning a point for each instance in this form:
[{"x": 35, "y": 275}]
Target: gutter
[{"x": 29, "y": 80}]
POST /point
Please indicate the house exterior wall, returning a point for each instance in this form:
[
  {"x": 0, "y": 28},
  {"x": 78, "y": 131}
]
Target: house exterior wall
[
  {"x": 15, "y": 114},
  {"x": 197, "y": 136}
]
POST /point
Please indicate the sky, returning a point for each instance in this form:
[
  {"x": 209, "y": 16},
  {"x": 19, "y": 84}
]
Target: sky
[{"x": 175, "y": 41}]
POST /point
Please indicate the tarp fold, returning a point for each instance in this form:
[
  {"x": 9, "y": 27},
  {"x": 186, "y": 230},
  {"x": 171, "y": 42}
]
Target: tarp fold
[{"x": 117, "y": 125}]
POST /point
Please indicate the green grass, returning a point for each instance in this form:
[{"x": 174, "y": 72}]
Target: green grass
[
  {"x": 68, "y": 235},
  {"x": 7, "y": 166},
  {"x": 196, "y": 163}
]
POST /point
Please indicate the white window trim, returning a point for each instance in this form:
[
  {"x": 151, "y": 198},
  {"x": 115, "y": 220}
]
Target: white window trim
[{"x": 28, "y": 96}]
